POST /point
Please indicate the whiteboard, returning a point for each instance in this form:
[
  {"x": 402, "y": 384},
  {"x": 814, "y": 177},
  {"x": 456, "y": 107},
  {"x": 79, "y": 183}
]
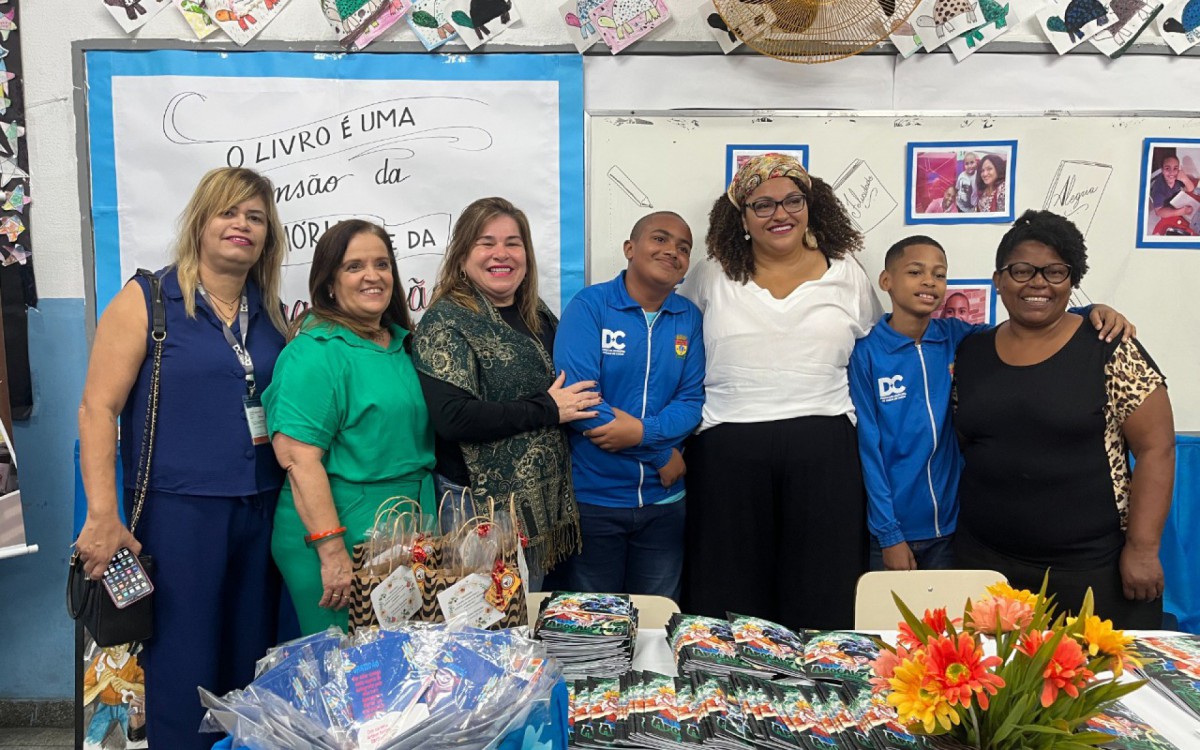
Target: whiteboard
[
  {"x": 406, "y": 141},
  {"x": 1090, "y": 168}
]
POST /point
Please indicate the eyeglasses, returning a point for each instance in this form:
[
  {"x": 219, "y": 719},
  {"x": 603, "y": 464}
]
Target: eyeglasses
[
  {"x": 1055, "y": 273},
  {"x": 765, "y": 207}
]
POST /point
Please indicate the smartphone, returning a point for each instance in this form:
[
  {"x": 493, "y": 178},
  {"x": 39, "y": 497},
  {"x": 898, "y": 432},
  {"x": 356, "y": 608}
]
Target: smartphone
[{"x": 126, "y": 580}]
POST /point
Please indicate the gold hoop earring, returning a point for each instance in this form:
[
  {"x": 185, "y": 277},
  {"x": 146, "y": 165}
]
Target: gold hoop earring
[
  {"x": 462, "y": 275},
  {"x": 810, "y": 239}
]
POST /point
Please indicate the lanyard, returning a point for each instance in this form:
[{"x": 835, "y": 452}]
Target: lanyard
[{"x": 239, "y": 349}]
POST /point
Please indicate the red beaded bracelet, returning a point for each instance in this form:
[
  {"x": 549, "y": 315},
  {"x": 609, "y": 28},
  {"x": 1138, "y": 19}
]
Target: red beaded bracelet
[{"x": 320, "y": 536}]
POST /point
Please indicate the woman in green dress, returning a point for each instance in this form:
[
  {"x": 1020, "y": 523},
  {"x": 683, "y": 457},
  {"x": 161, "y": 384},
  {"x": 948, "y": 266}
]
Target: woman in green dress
[{"x": 346, "y": 418}]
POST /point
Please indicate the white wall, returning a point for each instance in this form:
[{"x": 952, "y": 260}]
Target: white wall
[{"x": 48, "y": 34}]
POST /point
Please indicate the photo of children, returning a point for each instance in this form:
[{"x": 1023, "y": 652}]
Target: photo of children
[
  {"x": 969, "y": 300},
  {"x": 737, "y": 154},
  {"x": 1170, "y": 212},
  {"x": 960, "y": 183}
]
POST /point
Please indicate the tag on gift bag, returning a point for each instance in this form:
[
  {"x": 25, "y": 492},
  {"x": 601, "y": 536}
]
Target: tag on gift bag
[
  {"x": 465, "y": 602},
  {"x": 396, "y": 599}
]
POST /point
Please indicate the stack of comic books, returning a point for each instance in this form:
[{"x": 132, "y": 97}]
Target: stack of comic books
[
  {"x": 591, "y": 635},
  {"x": 704, "y": 643},
  {"x": 736, "y": 711},
  {"x": 1172, "y": 665},
  {"x": 1128, "y": 729}
]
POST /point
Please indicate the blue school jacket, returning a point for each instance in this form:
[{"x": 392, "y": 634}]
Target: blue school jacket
[
  {"x": 653, "y": 371},
  {"x": 910, "y": 458}
]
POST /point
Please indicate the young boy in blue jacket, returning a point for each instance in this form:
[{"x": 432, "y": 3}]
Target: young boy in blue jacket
[
  {"x": 901, "y": 375},
  {"x": 643, "y": 345}
]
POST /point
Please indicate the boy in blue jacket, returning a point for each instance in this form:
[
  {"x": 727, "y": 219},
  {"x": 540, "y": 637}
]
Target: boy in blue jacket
[
  {"x": 901, "y": 375},
  {"x": 642, "y": 343}
]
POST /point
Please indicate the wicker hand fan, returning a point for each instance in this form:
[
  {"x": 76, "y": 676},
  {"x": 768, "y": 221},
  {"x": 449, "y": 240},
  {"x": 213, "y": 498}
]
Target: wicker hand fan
[{"x": 813, "y": 31}]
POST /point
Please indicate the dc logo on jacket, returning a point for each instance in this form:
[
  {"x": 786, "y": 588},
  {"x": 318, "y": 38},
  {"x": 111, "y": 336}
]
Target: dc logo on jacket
[
  {"x": 891, "y": 390},
  {"x": 610, "y": 342}
]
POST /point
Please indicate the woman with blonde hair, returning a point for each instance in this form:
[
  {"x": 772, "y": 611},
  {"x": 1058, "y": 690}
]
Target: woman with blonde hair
[
  {"x": 484, "y": 352},
  {"x": 213, "y": 480}
]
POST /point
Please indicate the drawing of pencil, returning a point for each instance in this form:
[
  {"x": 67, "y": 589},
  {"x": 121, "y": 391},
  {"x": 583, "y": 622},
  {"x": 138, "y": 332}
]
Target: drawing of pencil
[{"x": 629, "y": 186}]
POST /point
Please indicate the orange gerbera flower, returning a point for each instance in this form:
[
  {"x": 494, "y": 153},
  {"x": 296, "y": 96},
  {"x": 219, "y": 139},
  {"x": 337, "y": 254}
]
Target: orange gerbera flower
[
  {"x": 917, "y": 699},
  {"x": 1102, "y": 639},
  {"x": 907, "y": 638},
  {"x": 1032, "y": 641},
  {"x": 999, "y": 614},
  {"x": 936, "y": 619},
  {"x": 960, "y": 670},
  {"x": 1066, "y": 671},
  {"x": 1005, "y": 591}
]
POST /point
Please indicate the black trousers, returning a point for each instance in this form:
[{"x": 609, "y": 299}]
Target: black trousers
[
  {"x": 1069, "y": 580},
  {"x": 776, "y": 524}
]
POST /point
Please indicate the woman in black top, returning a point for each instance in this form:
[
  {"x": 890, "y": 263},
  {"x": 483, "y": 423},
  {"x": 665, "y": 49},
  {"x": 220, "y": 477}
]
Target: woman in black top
[
  {"x": 1047, "y": 413},
  {"x": 484, "y": 354}
]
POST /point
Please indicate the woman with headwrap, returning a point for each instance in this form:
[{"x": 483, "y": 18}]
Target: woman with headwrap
[{"x": 777, "y": 512}]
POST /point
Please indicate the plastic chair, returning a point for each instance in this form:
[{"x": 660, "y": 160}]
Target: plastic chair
[
  {"x": 874, "y": 608},
  {"x": 653, "y": 611}
]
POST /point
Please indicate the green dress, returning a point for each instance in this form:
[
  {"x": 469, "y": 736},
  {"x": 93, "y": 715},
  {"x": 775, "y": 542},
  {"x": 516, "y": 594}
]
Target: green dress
[{"x": 362, "y": 404}]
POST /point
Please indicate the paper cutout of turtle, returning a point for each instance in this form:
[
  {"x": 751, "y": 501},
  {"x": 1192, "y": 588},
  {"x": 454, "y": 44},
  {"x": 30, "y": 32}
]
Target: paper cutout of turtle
[
  {"x": 427, "y": 20},
  {"x": 995, "y": 14},
  {"x": 1079, "y": 13},
  {"x": 624, "y": 12},
  {"x": 581, "y": 18},
  {"x": 1188, "y": 21},
  {"x": 1126, "y": 11},
  {"x": 945, "y": 11}
]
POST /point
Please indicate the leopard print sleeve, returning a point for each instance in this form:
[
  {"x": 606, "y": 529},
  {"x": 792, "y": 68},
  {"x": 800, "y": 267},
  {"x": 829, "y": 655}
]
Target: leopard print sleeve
[{"x": 1130, "y": 376}]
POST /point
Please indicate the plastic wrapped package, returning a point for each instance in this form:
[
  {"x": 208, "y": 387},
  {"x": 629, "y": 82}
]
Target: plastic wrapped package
[{"x": 422, "y": 686}]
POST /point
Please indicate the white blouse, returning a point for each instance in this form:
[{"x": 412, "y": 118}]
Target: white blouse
[{"x": 771, "y": 359}]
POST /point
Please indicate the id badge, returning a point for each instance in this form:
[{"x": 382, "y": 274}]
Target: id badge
[{"x": 256, "y": 419}]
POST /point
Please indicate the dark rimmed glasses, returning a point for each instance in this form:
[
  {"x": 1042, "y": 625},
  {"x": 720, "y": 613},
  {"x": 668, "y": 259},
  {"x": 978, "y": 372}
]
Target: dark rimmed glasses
[
  {"x": 1054, "y": 273},
  {"x": 764, "y": 208}
]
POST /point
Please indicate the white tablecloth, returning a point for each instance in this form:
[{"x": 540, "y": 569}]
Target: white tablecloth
[{"x": 1175, "y": 724}]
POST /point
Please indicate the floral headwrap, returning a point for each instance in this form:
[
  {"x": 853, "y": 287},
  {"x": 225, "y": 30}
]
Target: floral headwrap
[{"x": 760, "y": 169}]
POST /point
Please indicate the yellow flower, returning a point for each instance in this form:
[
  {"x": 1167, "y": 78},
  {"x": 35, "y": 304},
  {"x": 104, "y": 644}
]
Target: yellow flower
[
  {"x": 1005, "y": 591},
  {"x": 1101, "y": 639},
  {"x": 917, "y": 698}
]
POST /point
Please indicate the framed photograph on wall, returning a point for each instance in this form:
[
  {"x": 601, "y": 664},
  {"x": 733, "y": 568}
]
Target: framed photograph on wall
[
  {"x": 737, "y": 154},
  {"x": 1169, "y": 199},
  {"x": 960, "y": 182},
  {"x": 970, "y": 300}
]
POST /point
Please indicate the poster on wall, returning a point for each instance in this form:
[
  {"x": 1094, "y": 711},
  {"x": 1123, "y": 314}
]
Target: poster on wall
[
  {"x": 958, "y": 182},
  {"x": 406, "y": 146},
  {"x": 1169, "y": 210}
]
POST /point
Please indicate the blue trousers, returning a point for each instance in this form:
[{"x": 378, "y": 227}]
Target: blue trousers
[
  {"x": 629, "y": 550},
  {"x": 931, "y": 554},
  {"x": 216, "y": 603}
]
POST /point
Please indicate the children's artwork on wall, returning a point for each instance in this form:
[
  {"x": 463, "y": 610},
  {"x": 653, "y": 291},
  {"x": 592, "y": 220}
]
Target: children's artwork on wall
[
  {"x": 866, "y": 199},
  {"x": 10, "y": 150},
  {"x": 969, "y": 300},
  {"x": 577, "y": 16},
  {"x": 1069, "y": 23},
  {"x": 242, "y": 20},
  {"x": 357, "y": 23},
  {"x": 133, "y": 14},
  {"x": 1169, "y": 214},
  {"x": 1076, "y": 191},
  {"x": 623, "y": 22},
  {"x": 906, "y": 39},
  {"x": 1179, "y": 24},
  {"x": 479, "y": 21},
  {"x": 720, "y": 30},
  {"x": 1133, "y": 17},
  {"x": 196, "y": 17},
  {"x": 960, "y": 182},
  {"x": 1000, "y": 16},
  {"x": 939, "y": 21},
  {"x": 431, "y": 23},
  {"x": 737, "y": 154}
]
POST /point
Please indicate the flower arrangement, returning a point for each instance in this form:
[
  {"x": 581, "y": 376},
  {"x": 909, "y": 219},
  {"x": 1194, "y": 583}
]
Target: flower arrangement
[{"x": 1035, "y": 692}]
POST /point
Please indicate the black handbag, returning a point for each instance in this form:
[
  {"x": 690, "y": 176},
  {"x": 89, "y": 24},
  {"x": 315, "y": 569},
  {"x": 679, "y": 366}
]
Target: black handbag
[{"x": 87, "y": 601}]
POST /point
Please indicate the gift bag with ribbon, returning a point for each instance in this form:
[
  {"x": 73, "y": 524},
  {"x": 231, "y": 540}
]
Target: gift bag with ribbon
[{"x": 399, "y": 538}]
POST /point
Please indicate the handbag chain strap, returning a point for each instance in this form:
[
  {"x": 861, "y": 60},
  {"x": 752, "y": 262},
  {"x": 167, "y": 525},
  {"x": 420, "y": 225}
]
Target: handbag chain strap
[{"x": 158, "y": 334}]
